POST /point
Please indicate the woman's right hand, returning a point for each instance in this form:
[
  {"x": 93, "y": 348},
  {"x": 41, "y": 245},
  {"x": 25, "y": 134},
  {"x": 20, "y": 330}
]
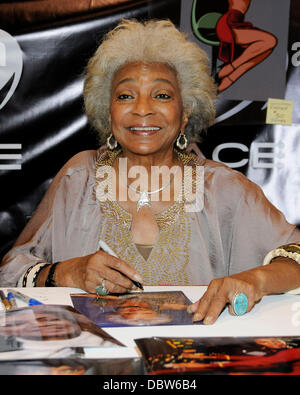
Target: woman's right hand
[{"x": 89, "y": 271}]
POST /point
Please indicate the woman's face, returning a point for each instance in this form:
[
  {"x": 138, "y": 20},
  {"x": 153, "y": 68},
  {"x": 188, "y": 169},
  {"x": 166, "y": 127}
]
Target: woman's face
[
  {"x": 41, "y": 325},
  {"x": 146, "y": 108}
]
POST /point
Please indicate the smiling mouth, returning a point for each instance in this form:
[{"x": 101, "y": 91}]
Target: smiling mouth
[{"x": 144, "y": 130}]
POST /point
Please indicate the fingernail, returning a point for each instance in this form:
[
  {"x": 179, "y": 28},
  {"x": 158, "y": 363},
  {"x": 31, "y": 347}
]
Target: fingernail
[
  {"x": 197, "y": 317},
  {"x": 138, "y": 278},
  {"x": 189, "y": 309},
  {"x": 208, "y": 320}
]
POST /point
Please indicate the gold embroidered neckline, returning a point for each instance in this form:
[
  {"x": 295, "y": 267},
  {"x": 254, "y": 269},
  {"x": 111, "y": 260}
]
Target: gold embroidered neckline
[
  {"x": 164, "y": 217},
  {"x": 169, "y": 258}
]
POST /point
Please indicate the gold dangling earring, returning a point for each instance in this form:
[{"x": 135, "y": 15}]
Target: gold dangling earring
[
  {"x": 182, "y": 141},
  {"x": 111, "y": 142}
]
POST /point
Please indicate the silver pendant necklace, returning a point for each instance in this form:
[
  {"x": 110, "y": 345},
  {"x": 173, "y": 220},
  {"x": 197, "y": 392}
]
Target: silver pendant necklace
[{"x": 144, "y": 199}]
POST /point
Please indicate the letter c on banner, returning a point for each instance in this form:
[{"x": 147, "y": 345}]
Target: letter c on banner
[
  {"x": 242, "y": 147},
  {"x": 11, "y": 64}
]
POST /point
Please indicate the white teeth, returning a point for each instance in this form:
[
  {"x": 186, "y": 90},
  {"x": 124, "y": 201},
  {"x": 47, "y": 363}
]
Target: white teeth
[{"x": 144, "y": 129}]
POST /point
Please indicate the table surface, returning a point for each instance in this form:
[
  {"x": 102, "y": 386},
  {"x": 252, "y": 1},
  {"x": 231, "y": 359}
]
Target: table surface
[{"x": 275, "y": 315}]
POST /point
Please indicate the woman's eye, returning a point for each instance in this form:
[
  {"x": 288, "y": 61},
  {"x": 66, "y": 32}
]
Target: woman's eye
[
  {"x": 124, "y": 96},
  {"x": 163, "y": 96}
]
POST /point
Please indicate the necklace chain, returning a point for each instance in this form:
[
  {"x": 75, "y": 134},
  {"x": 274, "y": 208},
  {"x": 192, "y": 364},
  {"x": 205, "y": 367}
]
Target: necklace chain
[
  {"x": 157, "y": 190},
  {"x": 107, "y": 158},
  {"x": 144, "y": 199}
]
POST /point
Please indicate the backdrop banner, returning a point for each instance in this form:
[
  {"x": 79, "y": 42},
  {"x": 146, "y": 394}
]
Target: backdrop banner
[
  {"x": 244, "y": 137},
  {"x": 44, "y": 48}
]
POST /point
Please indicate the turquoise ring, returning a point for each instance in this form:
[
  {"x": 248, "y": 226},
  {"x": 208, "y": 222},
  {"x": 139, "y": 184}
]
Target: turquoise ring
[
  {"x": 101, "y": 290},
  {"x": 239, "y": 304}
]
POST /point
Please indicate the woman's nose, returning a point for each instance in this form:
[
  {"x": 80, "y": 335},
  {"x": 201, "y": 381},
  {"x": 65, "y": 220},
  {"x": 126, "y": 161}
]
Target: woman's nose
[{"x": 143, "y": 106}]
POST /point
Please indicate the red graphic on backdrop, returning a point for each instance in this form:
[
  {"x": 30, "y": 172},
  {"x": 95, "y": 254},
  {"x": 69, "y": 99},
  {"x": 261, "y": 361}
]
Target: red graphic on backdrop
[
  {"x": 234, "y": 32},
  {"x": 235, "y": 42}
]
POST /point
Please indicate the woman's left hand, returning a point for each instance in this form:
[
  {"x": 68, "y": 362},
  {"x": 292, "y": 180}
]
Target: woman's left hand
[
  {"x": 281, "y": 275},
  {"x": 221, "y": 292}
]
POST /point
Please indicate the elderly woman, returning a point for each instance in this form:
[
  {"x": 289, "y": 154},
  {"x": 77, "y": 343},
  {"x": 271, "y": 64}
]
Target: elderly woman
[{"x": 149, "y": 93}]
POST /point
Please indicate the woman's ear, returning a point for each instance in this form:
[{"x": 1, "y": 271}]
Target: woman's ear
[{"x": 185, "y": 119}]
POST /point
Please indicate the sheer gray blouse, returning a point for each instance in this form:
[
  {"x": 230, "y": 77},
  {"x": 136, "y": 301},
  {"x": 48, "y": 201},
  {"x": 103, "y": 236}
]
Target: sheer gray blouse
[{"x": 233, "y": 232}]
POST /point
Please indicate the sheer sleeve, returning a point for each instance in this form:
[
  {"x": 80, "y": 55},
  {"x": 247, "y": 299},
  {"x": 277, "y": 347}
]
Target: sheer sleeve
[
  {"x": 259, "y": 227},
  {"x": 47, "y": 236}
]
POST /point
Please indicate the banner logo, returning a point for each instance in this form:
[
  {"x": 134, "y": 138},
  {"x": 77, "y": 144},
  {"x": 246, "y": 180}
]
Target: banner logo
[
  {"x": 11, "y": 64},
  {"x": 13, "y": 165}
]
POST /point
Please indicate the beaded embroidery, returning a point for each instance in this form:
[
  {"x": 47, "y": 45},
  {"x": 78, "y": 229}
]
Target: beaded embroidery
[{"x": 169, "y": 257}]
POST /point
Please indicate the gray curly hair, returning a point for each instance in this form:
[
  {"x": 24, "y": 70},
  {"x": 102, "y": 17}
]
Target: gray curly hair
[{"x": 156, "y": 41}]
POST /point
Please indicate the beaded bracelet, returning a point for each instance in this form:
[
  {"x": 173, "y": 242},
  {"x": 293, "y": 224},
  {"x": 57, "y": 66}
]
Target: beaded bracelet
[
  {"x": 50, "y": 282},
  {"x": 28, "y": 279},
  {"x": 288, "y": 251},
  {"x": 291, "y": 251}
]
